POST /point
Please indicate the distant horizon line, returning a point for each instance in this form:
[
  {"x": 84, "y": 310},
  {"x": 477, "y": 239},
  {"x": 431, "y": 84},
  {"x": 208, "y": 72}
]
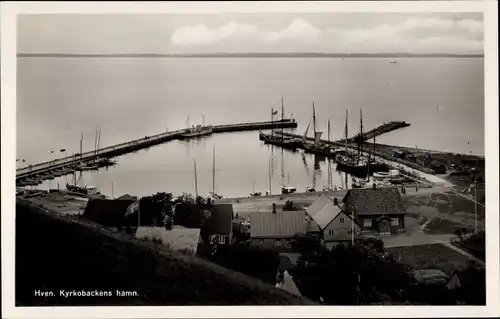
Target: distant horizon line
[{"x": 250, "y": 54}]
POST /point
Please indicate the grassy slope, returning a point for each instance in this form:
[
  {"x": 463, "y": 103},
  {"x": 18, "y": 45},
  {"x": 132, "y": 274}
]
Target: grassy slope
[
  {"x": 53, "y": 253},
  {"x": 430, "y": 256}
]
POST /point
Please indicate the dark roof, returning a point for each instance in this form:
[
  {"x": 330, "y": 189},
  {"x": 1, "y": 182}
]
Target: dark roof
[
  {"x": 369, "y": 201},
  {"x": 107, "y": 212},
  {"x": 211, "y": 218}
]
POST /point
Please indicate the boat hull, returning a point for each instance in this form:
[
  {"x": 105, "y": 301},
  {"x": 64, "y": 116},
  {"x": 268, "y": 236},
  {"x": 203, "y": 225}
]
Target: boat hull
[
  {"x": 278, "y": 141},
  {"x": 197, "y": 133},
  {"x": 356, "y": 170},
  {"x": 321, "y": 151}
]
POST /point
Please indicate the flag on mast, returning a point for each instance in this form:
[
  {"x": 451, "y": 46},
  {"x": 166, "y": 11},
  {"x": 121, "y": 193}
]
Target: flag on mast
[{"x": 275, "y": 112}]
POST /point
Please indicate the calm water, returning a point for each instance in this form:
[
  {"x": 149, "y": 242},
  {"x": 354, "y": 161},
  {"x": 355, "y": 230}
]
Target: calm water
[{"x": 59, "y": 98}]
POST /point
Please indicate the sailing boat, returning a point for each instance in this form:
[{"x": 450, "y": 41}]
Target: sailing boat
[
  {"x": 101, "y": 162},
  {"x": 196, "y": 131},
  {"x": 286, "y": 189},
  {"x": 329, "y": 186},
  {"x": 317, "y": 148},
  {"x": 352, "y": 164},
  {"x": 280, "y": 140},
  {"x": 374, "y": 165},
  {"x": 87, "y": 190},
  {"x": 254, "y": 193},
  {"x": 213, "y": 193}
]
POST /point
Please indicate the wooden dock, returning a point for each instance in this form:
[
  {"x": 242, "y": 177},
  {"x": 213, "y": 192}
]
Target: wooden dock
[
  {"x": 147, "y": 141},
  {"x": 382, "y": 129}
]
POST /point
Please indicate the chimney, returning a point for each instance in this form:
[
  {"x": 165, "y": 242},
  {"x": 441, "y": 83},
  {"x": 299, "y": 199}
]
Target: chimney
[
  {"x": 209, "y": 201},
  {"x": 374, "y": 186},
  {"x": 274, "y": 208},
  {"x": 335, "y": 201}
]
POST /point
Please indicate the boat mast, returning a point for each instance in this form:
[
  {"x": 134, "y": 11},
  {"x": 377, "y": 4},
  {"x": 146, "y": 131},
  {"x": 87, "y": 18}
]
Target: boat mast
[
  {"x": 360, "y": 140},
  {"x": 314, "y": 123},
  {"x": 330, "y": 182},
  {"x": 95, "y": 140},
  {"x": 74, "y": 172},
  {"x": 195, "y": 180},
  {"x": 203, "y": 119},
  {"x": 346, "y": 116},
  {"x": 282, "y": 116},
  {"x": 272, "y": 121},
  {"x": 99, "y": 139},
  {"x": 270, "y": 183},
  {"x": 213, "y": 173},
  {"x": 81, "y": 147}
]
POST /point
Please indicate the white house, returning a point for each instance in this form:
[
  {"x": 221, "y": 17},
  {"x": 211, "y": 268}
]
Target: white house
[{"x": 331, "y": 222}]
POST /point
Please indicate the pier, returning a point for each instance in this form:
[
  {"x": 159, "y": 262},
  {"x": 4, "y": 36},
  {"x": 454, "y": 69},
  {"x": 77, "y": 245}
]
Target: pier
[
  {"x": 382, "y": 129},
  {"x": 379, "y": 130},
  {"x": 141, "y": 143}
]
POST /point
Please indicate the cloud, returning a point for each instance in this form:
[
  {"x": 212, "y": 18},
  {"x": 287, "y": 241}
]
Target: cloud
[
  {"x": 201, "y": 34},
  {"x": 422, "y": 34},
  {"x": 298, "y": 29}
]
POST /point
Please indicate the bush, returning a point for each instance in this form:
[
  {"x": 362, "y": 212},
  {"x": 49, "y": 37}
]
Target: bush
[
  {"x": 257, "y": 261},
  {"x": 290, "y": 205}
]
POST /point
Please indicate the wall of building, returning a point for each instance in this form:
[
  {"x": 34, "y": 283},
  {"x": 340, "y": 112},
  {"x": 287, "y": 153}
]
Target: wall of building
[
  {"x": 372, "y": 226},
  {"x": 339, "y": 229}
]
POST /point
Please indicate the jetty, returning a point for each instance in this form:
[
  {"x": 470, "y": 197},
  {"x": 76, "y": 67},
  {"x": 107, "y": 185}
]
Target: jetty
[
  {"x": 382, "y": 129},
  {"x": 42, "y": 169},
  {"x": 379, "y": 130}
]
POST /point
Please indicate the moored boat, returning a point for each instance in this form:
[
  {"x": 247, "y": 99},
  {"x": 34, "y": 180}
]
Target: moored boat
[
  {"x": 288, "y": 189},
  {"x": 317, "y": 147},
  {"x": 288, "y": 143},
  {"x": 196, "y": 131}
]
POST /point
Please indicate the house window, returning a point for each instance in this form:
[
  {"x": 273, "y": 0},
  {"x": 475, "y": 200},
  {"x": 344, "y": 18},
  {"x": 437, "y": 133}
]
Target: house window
[
  {"x": 341, "y": 220},
  {"x": 349, "y": 232},
  {"x": 395, "y": 221},
  {"x": 331, "y": 232},
  {"x": 222, "y": 240},
  {"x": 367, "y": 222}
]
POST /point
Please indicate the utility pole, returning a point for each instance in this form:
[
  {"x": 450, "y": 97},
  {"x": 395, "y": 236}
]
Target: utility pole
[
  {"x": 195, "y": 180},
  {"x": 270, "y": 180}
]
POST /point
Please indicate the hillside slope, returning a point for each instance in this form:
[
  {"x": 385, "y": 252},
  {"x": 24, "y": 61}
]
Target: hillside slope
[{"x": 53, "y": 254}]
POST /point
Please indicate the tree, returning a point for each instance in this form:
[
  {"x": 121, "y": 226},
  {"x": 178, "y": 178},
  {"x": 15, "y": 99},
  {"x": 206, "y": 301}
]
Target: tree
[
  {"x": 348, "y": 275},
  {"x": 306, "y": 245},
  {"x": 155, "y": 208}
]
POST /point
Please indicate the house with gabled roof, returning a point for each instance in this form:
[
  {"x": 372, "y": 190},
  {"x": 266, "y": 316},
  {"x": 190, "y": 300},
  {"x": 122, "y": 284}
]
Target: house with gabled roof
[
  {"x": 379, "y": 210},
  {"x": 214, "y": 220},
  {"x": 332, "y": 223}
]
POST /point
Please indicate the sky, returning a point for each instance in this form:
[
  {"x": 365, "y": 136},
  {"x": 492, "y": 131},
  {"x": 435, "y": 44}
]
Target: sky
[{"x": 456, "y": 33}]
